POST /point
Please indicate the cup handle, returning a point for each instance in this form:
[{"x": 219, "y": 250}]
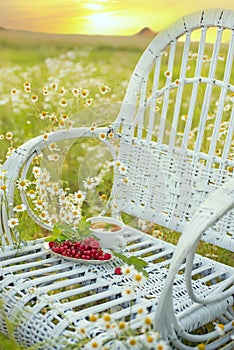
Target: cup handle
[{"x": 122, "y": 241}]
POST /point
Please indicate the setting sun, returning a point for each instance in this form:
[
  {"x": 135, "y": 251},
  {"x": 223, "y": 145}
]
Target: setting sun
[
  {"x": 116, "y": 17},
  {"x": 94, "y": 7},
  {"x": 102, "y": 22}
]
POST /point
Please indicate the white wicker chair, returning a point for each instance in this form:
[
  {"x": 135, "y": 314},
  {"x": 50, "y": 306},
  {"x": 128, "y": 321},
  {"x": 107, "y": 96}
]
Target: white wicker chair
[{"x": 174, "y": 180}]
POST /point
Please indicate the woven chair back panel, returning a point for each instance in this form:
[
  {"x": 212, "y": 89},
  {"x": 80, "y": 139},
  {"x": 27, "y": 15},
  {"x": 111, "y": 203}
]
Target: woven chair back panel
[
  {"x": 167, "y": 187},
  {"x": 177, "y": 123}
]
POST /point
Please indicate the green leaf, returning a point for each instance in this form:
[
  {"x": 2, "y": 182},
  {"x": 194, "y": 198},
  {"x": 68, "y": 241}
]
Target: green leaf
[{"x": 138, "y": 263}]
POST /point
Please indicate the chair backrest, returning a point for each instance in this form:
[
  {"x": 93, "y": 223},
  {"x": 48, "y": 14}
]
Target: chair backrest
[{"x": 176, "y": 124}]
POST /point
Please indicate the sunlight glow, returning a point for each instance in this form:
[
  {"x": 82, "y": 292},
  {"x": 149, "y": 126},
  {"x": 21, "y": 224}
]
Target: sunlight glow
[
  {"x": 102, "y": 22},
  {"x": 94, "y": 7}
]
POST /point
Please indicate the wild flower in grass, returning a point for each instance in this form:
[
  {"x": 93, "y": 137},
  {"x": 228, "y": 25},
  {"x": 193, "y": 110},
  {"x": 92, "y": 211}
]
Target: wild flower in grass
[
  {"x": 36, "y": 171},
  {"x": 63, "y": 102},
  {"x": 53, "y": 118},
  {"x": 184, "y": 117},
  {"x": 201, "y": 346},
  {"x": 79, "y": 197},
  {"x": 2, "y": 137},
  {"x": 54, "y": 86},
  {"x": 89, "y": 183},
  {"x": 20, "y": 208},
  {"x": 27, "y": 84},
  {"x": 34, "y": 98},
  {"x": 76, "y": 92},
  {"x": 103, "y": 197},
  {"x": 61, "y": 124},
  {"x": 39, "y": 204},
  {"x": 27, "y": 89},
  {"x": 9, "y": 135},
  {"x": 53, "y": 157},
  {"x": 88, "y": 102},
  {"x": 62, "y": 91},
  {"x": 43, "y": 115},
  {"x": 84, "y": 93},
  {"x": 31, "y": 194},
  {"x": 44, "y": 215},
  {"x": 13, "y": 91},
  {"x": 13, "y": 222},
  {"x": 221, "y": 57},
  {"x": 22, "y": 184},
  {"x": 104, "y": 89},
  {"x": 53, "y": 147},
  {"x": 45, "y": 91}
]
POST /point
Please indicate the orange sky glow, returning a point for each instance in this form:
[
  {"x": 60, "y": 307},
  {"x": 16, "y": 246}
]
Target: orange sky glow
[{"x": 112, "y": 17}]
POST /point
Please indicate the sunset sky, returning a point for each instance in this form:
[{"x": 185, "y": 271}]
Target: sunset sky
[{"x": 114, "y": 17}]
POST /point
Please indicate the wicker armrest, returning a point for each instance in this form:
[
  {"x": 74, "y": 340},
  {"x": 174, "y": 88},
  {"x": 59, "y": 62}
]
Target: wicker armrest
[{"x": 214, "y": 207}]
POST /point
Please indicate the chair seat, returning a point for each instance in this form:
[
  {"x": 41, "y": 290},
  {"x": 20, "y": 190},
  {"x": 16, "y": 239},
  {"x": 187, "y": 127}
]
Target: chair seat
[{"x": 51, "y": 297}]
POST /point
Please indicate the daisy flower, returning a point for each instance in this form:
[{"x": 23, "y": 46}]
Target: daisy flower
[
  {"x": 167, "y": 74},
  {"x": 89, "y": 183},
  {"x": 43, "y": 115},
  {"x": 84, "y": 93},
  {"x": 36, "y": 171},
  {"x": 103, "y": 89},
  {"x": 94, "y": 344},
  {"x": 13, "y": 222},
  {"x": 20, "y": 207},
  {"x": 31, "y": 194},
  {"x": 128, "y": 292},
  {"x": 9, "y": 135},
  {"x": 79, "y": 196},
  {"x": 133, "y": 343},
  {"x": 13, "y": 91},
  {"x": 53, "y": 146},
  {"x": 88, "y": 102},
  {"x": 63, "y": 102},
  {"x": 34, "y": 98},
  {"x": 54, "y": 86},
  {"x": 161, "y": 345},
  {"x": 22, "y": 184},
  {"x": 128, "y": 270},
  {"x": 219, "y": 327},
  {"x": 54, "y": 157},
  {"x": 102, "y": 136},
  {"x": 76, "y": 92}
]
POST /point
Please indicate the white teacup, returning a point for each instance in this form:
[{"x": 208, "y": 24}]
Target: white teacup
[{"x": 109, "y": 231}]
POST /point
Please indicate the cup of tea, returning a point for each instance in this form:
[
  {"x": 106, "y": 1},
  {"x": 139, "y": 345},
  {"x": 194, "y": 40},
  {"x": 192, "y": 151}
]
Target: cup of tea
[{"x": 109, "y": 231}]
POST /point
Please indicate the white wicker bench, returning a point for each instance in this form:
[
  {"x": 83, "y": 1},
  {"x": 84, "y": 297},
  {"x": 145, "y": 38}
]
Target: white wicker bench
[{"x": 173, "y": 165}]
